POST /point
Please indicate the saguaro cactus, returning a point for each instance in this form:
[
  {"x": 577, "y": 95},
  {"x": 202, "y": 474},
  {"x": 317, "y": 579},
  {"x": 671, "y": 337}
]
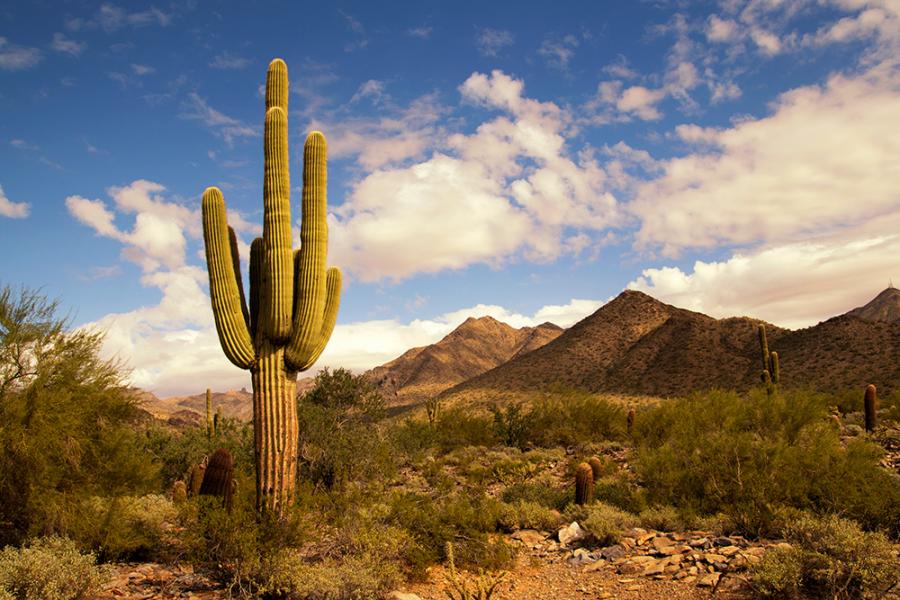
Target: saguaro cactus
[
  {"x": 596, "y": 467},
  {"x": 771, "y": 371},
  {"x": 293, "y": 298},
  {"x": 870, "y": 406},
  {"x": 209, "y": 417},
  {"x": 584, "y": 484}
]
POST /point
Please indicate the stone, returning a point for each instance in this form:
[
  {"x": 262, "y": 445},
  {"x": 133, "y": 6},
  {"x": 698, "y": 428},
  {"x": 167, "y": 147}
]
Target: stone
[
  {"x": 698, "y": 542},
  {"x": 594, "y": 566},
  {"x": 723, "y": 541},
  {"x": 612, "y": 552},
  {"x": 729, "y": 550},
  {"x": 397, "y": 595},
  {"x": 572, "y": 533},
  {"x": 529, "y": 537},
  {"x": 655, "y": 568},
  {"x": 630, "y": 568},
  {"x": 709, "y": 580},
  {"x": 661, "y": 542},
  {"x": 643, "y": 539},
  {"x": 712, "y": 557}
]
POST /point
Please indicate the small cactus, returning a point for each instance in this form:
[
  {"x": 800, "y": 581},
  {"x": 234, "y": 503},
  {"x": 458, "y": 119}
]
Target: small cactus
[
  {"x": 179, "y": 492},
  {"x": 771, "y": 373},
  {"x": 584, "y": 484},
  {"x": 596, "y": 467},
  {"x": 219, "y": 477},
  {"x": 210, "y": 425},
  {"x": 195, "y": 477},
  {"x": 870, "y": 404},
  {"x": 629, "y": 421}
]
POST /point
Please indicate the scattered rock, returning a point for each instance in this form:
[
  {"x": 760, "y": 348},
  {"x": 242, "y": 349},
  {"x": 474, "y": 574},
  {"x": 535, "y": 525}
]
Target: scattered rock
[{"x": 572, "y": 533}]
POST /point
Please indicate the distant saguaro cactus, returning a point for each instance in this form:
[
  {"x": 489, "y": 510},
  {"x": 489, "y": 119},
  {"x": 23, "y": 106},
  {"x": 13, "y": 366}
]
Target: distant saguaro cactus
[
  {"x": 179, "y": 492},
  {"x": 629, "y": 421},
  {"x": 771, "y": 371},
  {"x": 596, "y": 467},
  {"x": 219, "y": 477},
  {"x": 870, "y": 404},
  {"x": 293, "y": 297},
  {"x": 584, "y": 484},
  {"x": 210, "y": 425}
]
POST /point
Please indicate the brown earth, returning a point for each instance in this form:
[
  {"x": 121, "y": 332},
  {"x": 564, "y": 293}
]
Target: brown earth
[
  {"x": 883, "y": 307},
  {"x": 474, "y": 347},
  {"x": 636, "y": 344}
]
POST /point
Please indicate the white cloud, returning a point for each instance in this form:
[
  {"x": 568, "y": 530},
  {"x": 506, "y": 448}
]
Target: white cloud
[
  {"x": 491, "y": 41},
  {"x": 820, "y": 162},
  {"x": 792, "y": 285},
  {"x": 228, "y": 128},
  {"x": 372, "y": 88},
  {"x": 63, "y": 44},
  {"x": 12, "y": 210},
  {"x": 420, "y": 32},
  {"x": 141, "y": 70},
  {"x": 508, "y": 188},
  {"x": 558, "y": 53},
  {"x": 112, "y": 18},
  {"x": 17, "y": 58},
  {"x": 721, "y": 30}
]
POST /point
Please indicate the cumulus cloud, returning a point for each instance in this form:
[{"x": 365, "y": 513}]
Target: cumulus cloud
[
  {"x": 17, "y": 58},
  {"x": 12, "y": 210},
  {"x": 228, "y": 128},
  {"x": 227, "y": 60},
  {"x": 792, "y": 285},
  {"x": 558, "y": 53},
  {"x": 821, "y": 161},
  {"x": 511, "y": 187}
]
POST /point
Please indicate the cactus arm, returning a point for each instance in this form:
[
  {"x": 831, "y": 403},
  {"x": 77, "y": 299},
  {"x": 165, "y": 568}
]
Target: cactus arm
[
  {"x": 236, "y": 259},
  {"x": 311, "y": 277},
  {"x": 764, "y": 346},
  {"x": 277, "y": 292},
  {"x": 226, "y": 300},
  {"x": 776, "y": 368},
  {"x": 256, "y": 259},
  {"x": 332, "y": 304}
]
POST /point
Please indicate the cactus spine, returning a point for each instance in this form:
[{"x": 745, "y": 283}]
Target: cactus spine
[
  {"x": 293, "y": 298},
  {"x": 584, "y": 484},
  {"x": 771, "y": 371},
  {"x": 870, "y": 406}
]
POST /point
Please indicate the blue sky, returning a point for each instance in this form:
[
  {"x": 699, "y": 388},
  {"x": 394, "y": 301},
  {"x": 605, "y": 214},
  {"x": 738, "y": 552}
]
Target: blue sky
[{"x": 728, "y": 157}]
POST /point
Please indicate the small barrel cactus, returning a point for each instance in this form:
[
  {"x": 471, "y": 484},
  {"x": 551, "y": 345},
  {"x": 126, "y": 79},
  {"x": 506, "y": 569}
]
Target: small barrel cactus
[
  {"x": 584, "y": 484},
  {"x": 219, "y": 477},
  {"x": 195, "y": 477},
  {"x": 179, "y": 492},
  {"x": 596, "y": 467},
  {"x": 870, "y": 404}
]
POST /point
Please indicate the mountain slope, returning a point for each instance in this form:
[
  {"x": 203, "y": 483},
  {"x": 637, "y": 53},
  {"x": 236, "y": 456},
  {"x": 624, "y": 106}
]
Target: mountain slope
[
  {"x": 472, "y": 348},
  {"x": 883, "y": 307},
  {"x": 638, "y": 345}
]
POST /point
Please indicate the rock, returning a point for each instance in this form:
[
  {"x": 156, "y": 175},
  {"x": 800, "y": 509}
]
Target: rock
[
  {"x": 529, "y": 537},
  {"x": 655, "y": 568},
  {"x": 712, "y": 557},
  {"x": 612, "y": 552},
  {"x": 644, "y": 538},
  {"x": 723, "y": 541},
  {"x": 698, "y": 543},
  {"x": 662, "y": 542},
  {"x": 630, "y": 568},
  {"x": 709, "y": 580},
  {"x": 572, "y": 533},
  {"x": 729, "y": 550},
  {"x": 594, "y": 566}
]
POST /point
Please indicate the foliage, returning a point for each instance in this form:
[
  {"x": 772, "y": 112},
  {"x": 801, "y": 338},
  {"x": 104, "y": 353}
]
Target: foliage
[
  {"x": 49, "y": 568},
  {"x": 352, "y": 578},
  {"x": 67, "y": 425},
  {"x": 340, "y": 440},
  {"x": 828, "y": 557},
  {"x": 485, "y": 585},
  {"x": 603, "y": 521},
  {"x": 564, "y": 417},
  {"x": 749, "y": 456}
]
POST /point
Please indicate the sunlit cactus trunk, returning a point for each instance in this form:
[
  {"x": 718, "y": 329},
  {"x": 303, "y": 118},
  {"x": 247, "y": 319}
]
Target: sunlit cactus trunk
[{"x": 293, "y": 300}]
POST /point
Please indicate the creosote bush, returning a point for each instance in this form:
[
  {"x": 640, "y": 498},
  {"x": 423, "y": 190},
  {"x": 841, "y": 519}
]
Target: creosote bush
[
  {"x": 747, "y": 457},
  {"x": 49, "y": 568}
]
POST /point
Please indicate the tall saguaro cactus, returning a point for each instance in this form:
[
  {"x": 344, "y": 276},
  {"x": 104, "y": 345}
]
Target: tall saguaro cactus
[
  {"x": 293, "y": 298},
  {"x": 771, "y": 371}
]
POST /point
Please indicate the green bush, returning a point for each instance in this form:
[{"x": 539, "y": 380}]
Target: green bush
[
  {"x": 603, "y": 521},
  {"x": 564, "y": 417},
  {"x": 662, "y": 518},
  {"x": 126, "y": 527},
  {"x": 543, "y": 491},
  {"x": 829, "y": 557},
  {"x": 353, "y": 578},
  {"x": 70, "y": 429},
  {"x": 49, "y": 568},
  {"x": 528, "y": 515},
  {"x": 748, "y": 457}
]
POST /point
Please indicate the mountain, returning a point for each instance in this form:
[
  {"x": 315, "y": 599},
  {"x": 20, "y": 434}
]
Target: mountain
[
  {"x": 236, "y": 404},
  {"x": 469, "y": 350},
  {"x": 883, "y": 307},
  {"x": 636, "y": 344}
]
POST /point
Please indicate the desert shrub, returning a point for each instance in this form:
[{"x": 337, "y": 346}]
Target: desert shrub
[
  {"x": 527, "y": 515},
  {"x": 466, "y": 519},
  {"x": 49, "y": 568},
  {"x": 542, "y": 492},
  {"x": 747, "y": 457},
  {"x": 70, "y": 429},
  {"x": 562, "y": 417},
  {"x": 458, "y": 427},
  {"x": 603, "y": 521},
  {"x": 339, "y": 436},
  {"x": 620, "y": 491},
  {"x": 662, "y": 518},
  {"x": 829, "y": 556},
  {"x": 513, "y": 424},
  {"x": 125, "y": 527},
  {"x": 353, "y": 578}
]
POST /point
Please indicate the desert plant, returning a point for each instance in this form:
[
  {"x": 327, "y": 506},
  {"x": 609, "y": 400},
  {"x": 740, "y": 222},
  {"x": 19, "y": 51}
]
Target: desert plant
[
  {"x": 870, "y": 406},
  {"x": 48, "y": 568},
  {"x": 210, "y": 427},
  {"x": 597, "y": 469},
  {"x": 771, "y": 371},
  {"x": 485, "y": 585},
  {"x": 218, "y": 480},
  {"x": 179, "y": 492},
  {"x": 584, "y": 484},
  {"x": 196, "y": 475},
  {"x": 629, "y": 421},
  {"x": 293, "y": 298}
]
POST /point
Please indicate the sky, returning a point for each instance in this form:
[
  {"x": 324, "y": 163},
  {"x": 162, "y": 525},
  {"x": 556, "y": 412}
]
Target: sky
[{"x": 485, "y": 158}]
